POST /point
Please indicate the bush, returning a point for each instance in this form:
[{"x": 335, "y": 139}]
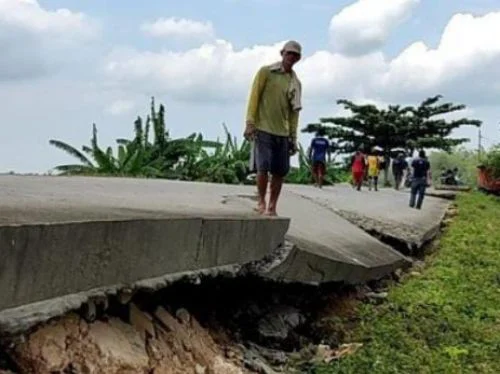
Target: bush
[
  {"x": 302, "y": 174},
  {"x": 492, "y": 161},
  {"x": 465, "y": 160}
]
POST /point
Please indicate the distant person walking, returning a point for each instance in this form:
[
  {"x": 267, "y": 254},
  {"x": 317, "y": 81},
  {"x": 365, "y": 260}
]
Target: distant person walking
[
  {"x": 399, "y": 166},
  {"x": 373, "y": 161},
  {"x": 421, "y": 178},
  {"x": 319, "y": 149},
  {"x": 271, "y": 123},
  {"x": 358, "y": 165}
]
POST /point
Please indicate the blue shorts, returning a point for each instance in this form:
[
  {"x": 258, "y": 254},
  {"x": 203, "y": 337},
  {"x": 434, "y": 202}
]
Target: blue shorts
[{"x": 272, "y": 153}]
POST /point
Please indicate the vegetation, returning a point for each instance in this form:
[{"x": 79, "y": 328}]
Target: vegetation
[
  {"x": 153, "y": 153},
  {"x": 408, "y": 127},
  {"x": 225, "y": 162},
  {"x": 465, "y": 160},
  {"x": 445, "y": 320},
  {"x": 492, "y": 161},
  {"x": 136, "y": 157},
  {"x": 335, "y": 172}
]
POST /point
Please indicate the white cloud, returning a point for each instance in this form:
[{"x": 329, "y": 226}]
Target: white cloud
[
  {"x": 217, "y": 72},
  {"x": 60, "y": 23},
  {"x": 33, "y": 40},
  {"x": 179, "y": 28},
  {"x": 466, "y": 63},
  {"x": 461, "y": 67},
  {"x": 328, "y": 76},
  {"x": 365, "y": 25},
  {"x": 120, "y": 107},
  {"x": 212, "y": 72}
]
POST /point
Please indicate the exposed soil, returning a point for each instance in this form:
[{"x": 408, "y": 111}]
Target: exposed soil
[{"x": 219, "y": 326}]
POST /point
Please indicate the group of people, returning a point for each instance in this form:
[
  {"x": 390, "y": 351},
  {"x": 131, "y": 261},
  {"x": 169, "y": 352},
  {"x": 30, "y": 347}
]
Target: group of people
[
  {"x": 272, "y": 118},
  {"x": 366, "y": 167},
  {"x": 418, "y": 172},
  {"x": 369, "y": 168}
]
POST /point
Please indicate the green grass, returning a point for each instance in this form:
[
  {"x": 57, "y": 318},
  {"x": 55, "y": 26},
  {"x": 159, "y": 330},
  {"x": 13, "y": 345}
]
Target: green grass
[{"x": 448, "y": 319}]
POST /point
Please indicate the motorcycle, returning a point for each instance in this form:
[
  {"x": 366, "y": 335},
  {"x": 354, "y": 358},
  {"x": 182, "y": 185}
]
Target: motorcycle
[{"x": 449, "y": 178}]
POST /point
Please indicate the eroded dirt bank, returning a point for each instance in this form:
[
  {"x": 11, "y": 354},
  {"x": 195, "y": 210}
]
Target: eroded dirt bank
[{"x": 219, "y": 326}]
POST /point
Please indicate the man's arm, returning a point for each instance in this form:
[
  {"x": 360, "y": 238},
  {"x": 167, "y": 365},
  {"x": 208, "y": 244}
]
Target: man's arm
[
  {"x": 294, "y": 118},
  {"x": 255, "y": 95},
  {"x": 294, "y": 123},
  {"x": 329, "y": 151}
]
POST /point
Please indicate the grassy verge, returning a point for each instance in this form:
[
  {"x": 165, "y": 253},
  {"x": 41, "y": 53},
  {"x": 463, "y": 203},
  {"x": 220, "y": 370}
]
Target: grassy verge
[{"x": 447, "y": 320}]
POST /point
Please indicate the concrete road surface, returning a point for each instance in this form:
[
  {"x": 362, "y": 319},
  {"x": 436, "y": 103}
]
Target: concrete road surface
[{"x": 67, "y": 236}]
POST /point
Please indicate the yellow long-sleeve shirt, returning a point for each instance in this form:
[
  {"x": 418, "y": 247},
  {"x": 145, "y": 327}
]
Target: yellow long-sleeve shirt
[{"x": 269, "y": 107}]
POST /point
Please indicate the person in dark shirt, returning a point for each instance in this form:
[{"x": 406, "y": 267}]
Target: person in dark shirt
[
  {"x": 319, "y": 149},
  {"x": 420, "y": 181},
  {"x": 399, "y": 165}
]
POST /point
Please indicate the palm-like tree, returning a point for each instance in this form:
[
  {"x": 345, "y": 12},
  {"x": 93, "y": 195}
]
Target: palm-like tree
[
  {"x": 136, "y": 157},
  {"x": 98, "y": 163},
  {"x": 129, "y": 161},
  {"x": 190, "y": 158},
  {"x": 217, "y": 162}
]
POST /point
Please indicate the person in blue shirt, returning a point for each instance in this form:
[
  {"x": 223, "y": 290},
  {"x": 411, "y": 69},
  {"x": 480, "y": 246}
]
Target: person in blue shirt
[
  {"x": 420, "y": 179},
  {"x": 319, "y": 149}
]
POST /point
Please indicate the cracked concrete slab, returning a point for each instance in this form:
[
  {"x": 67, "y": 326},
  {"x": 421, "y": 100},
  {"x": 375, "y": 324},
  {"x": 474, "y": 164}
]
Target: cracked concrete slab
[
  {"x": 385, "y": 212},
  {"x": 326, "y": 247},
  {"x": 65, "y": 236},
  {"x": 62, "y": 236}
]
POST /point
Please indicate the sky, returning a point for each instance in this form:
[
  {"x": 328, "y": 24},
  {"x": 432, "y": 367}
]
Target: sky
[{"x": 66, "y": 64}]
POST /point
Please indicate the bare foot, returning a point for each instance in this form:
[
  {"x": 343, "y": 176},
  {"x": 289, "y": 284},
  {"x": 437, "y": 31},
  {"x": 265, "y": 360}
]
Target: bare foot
[
  {"x": 260, "y": 208},
  {"x": 271, "y": 212}
]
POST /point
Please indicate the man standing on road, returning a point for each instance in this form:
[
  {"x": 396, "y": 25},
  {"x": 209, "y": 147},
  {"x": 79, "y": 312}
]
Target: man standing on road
[
  {"x": 421, "y": 179},
  {"x": 271, "y": 122},
  {"x": 319, "y": 149}
]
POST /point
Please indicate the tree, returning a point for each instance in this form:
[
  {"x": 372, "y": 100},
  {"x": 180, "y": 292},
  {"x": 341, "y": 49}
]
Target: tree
[
  {"x": 131, "y": 159},
  {"x": 134, "y": 157},
  {"x": 407, "y": 127},
  {"x": 394, "y": 127},
  {"x": 428, "y": 130},
  {"x": 218, "y": 162},
  {"x": 187, "y": 158}
]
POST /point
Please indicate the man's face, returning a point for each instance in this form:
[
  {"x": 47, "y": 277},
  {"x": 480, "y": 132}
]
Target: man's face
[{"x": 290, "y": 58}]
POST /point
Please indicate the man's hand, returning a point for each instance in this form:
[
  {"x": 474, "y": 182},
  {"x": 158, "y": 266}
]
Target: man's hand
[
  {"x": 249, "y": 132},
  {"x": 293, "y": 148}
]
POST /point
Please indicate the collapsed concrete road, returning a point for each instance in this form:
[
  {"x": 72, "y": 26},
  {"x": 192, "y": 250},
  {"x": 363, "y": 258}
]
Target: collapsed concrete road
[
  {"x": 64, "y": 240},
  {"x": 385, "y": 212}
]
